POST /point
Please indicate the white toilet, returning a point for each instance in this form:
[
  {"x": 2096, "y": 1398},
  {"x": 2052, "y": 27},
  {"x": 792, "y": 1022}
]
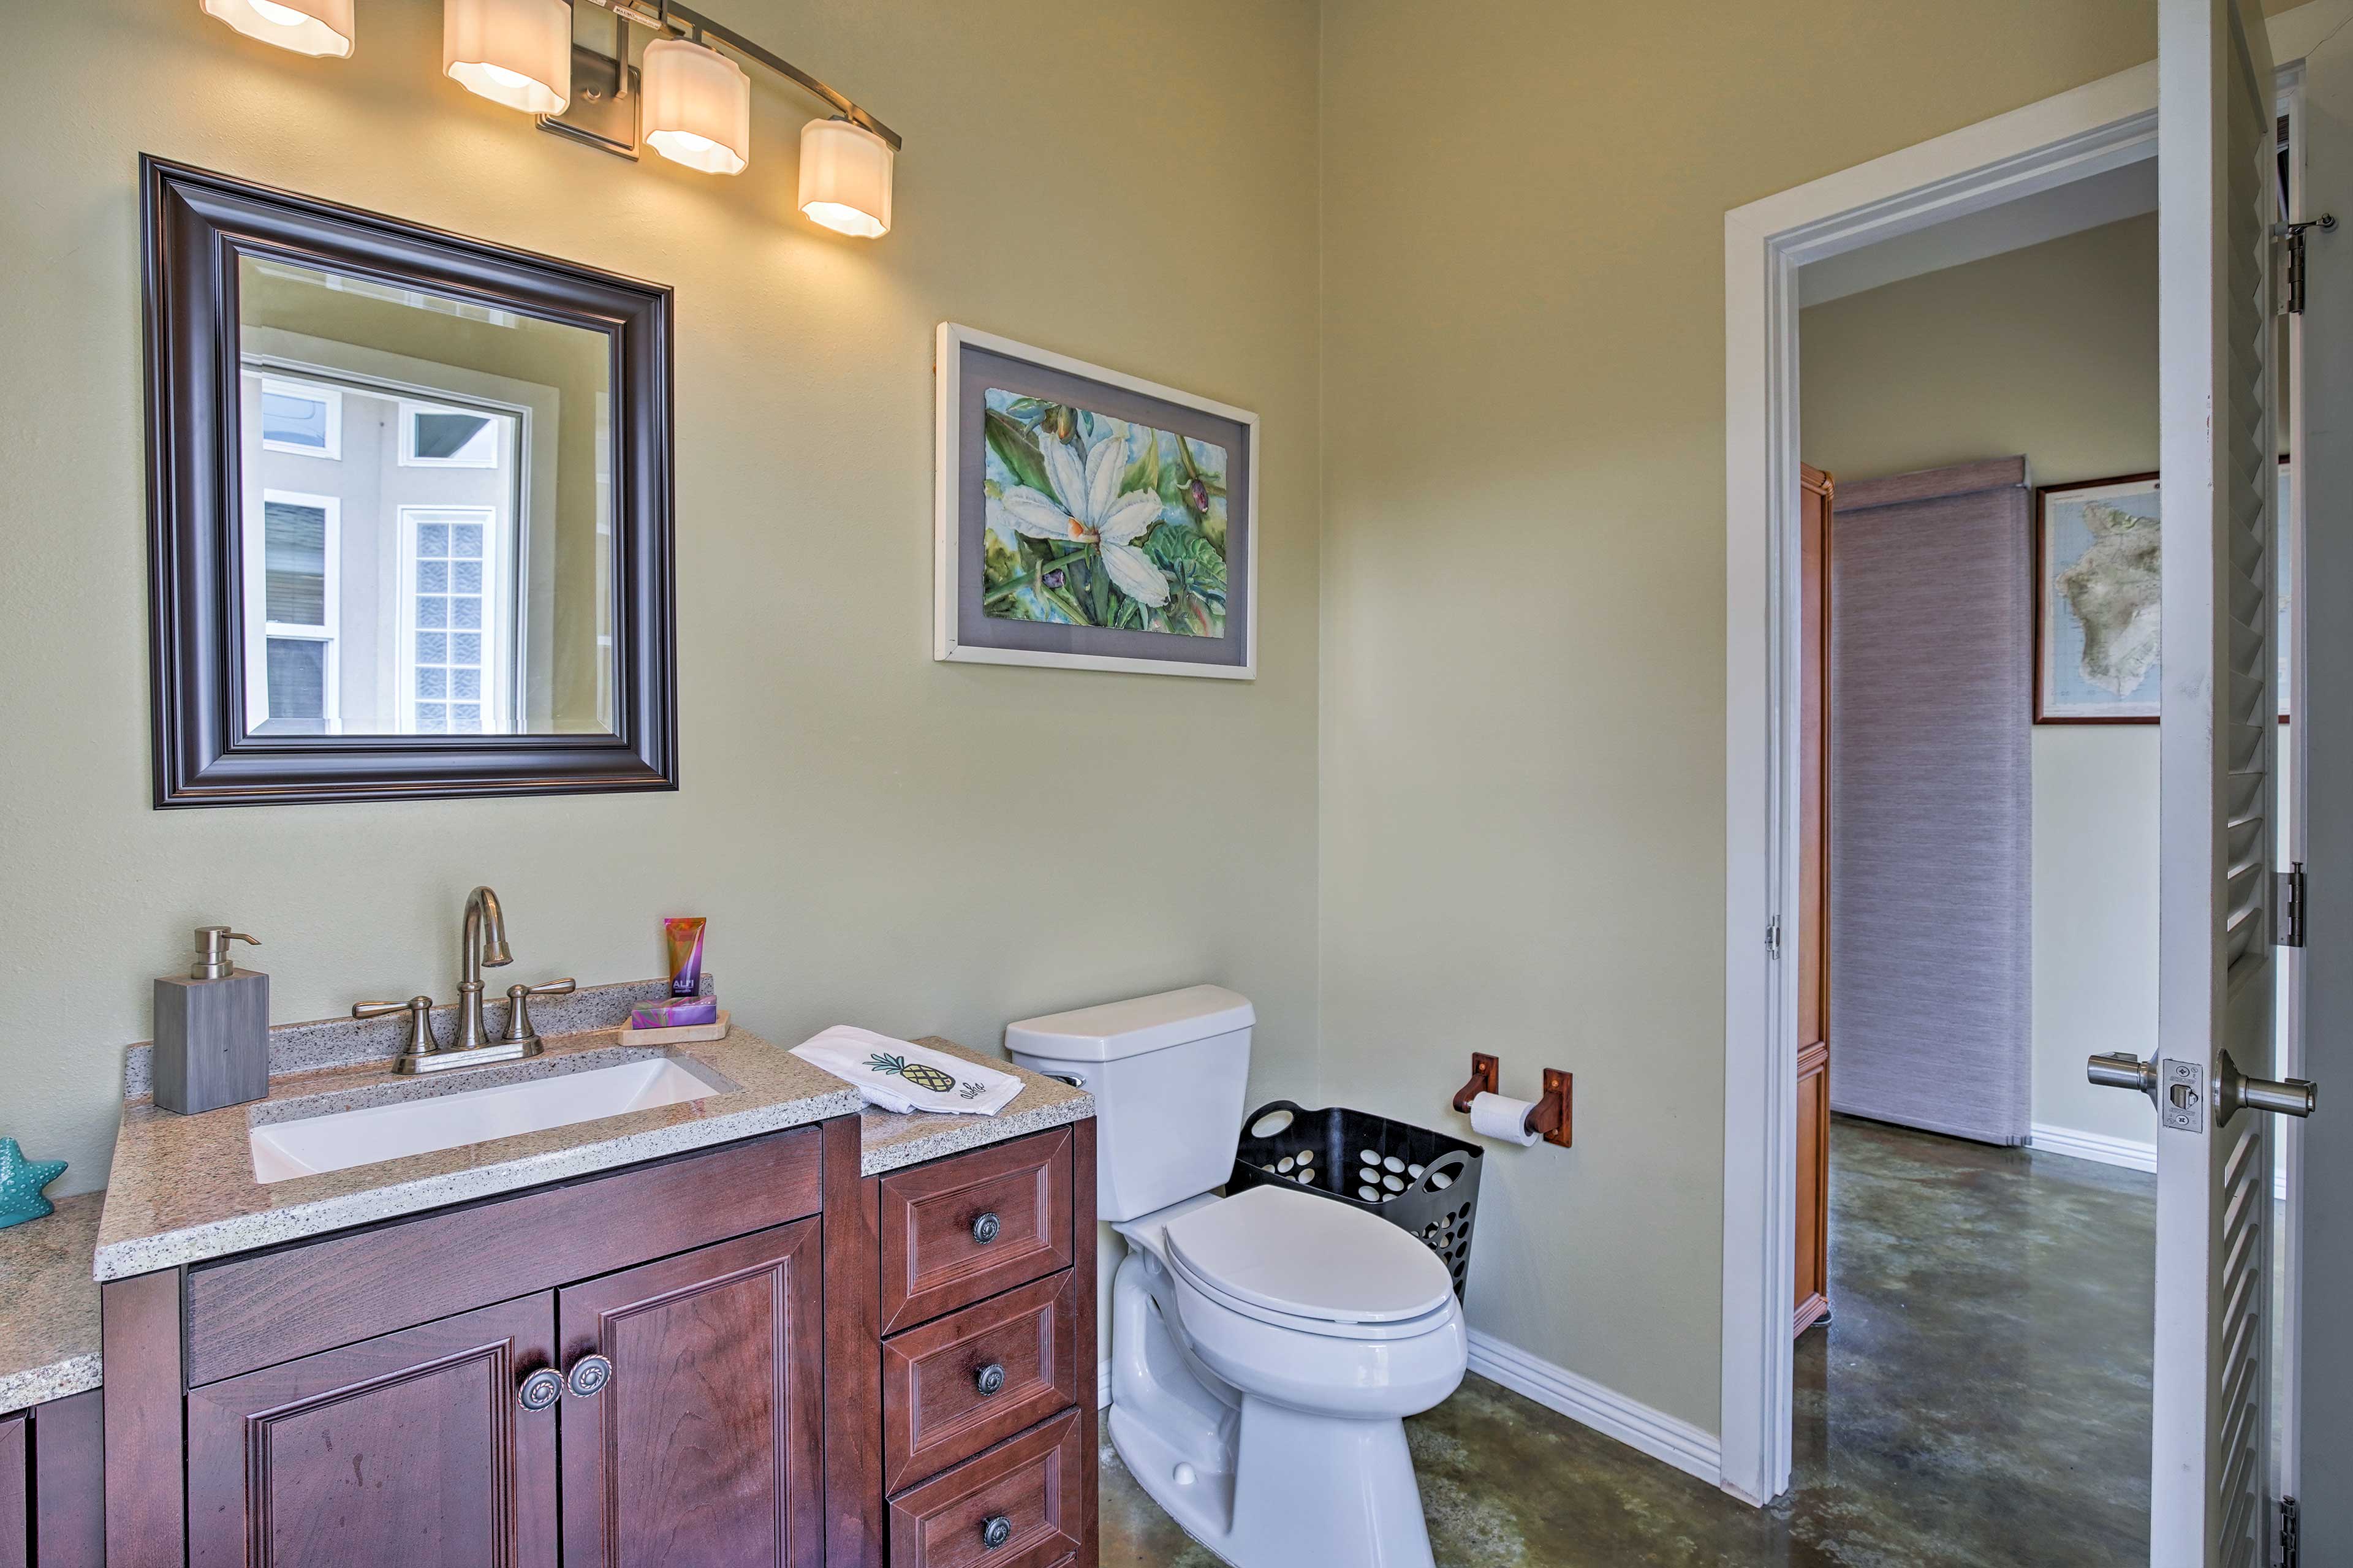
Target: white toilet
[{"x": 1265, "y": 1347}]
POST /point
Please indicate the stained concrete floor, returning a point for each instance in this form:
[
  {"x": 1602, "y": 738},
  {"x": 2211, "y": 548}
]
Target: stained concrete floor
[{"x": 1981, "y": 1398}]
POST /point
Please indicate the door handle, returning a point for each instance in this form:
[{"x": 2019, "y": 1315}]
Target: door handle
[
  {"x": 2234, "y": 1092},
  {"x": 2122, "y": 1070}
]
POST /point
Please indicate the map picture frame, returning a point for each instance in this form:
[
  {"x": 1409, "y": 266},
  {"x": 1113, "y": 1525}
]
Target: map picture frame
[
  {"x": 2062, "y": 639},
  {"x": 2062, "y": 672}
]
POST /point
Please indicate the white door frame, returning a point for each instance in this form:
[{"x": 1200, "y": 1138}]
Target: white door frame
[{"x": 2087, "y": 130}]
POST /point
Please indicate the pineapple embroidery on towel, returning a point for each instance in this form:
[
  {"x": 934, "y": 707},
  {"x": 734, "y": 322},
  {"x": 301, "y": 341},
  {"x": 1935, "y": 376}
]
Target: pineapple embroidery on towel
[{"x": 922, "y": 1075}]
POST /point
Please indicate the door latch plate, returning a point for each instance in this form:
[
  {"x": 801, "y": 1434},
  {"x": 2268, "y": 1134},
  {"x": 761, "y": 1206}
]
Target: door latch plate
[{"x": 2181, "y": 1097}]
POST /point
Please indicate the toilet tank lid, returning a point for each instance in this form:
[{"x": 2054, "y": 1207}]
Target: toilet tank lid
[{"x": 1130, "y": 1028}]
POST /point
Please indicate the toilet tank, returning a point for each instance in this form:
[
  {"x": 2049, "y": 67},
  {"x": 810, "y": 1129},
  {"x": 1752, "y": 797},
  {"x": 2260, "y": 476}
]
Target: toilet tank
[{"x": 1167, "y": 1073}]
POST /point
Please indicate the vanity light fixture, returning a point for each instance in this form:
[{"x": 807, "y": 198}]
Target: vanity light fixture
[
  {"x": 698, "y": 106},
  {"x": 696, "y": 103},
  {"x": 692, "y": 94},
  {"x": 305, "y": 26},
  {"x": 515, "y": 52},
  {"x": 846, "y": 177}
]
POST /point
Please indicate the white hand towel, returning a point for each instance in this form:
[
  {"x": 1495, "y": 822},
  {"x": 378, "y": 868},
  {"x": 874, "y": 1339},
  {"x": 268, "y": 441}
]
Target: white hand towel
[{"x": 898, "y": 1075}]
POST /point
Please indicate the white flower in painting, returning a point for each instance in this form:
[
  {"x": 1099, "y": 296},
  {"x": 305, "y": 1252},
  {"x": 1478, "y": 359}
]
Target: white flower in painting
[{"x": 1087, "y": 508}]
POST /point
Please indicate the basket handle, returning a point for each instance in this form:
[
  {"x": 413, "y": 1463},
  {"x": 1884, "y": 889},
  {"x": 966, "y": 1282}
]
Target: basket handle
[
  {"x": 1298, "y": 1113},
  {"x": 1453, "y": 1163}
]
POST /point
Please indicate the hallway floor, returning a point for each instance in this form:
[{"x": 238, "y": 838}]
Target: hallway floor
[{"x": 1981, "y": 1398}]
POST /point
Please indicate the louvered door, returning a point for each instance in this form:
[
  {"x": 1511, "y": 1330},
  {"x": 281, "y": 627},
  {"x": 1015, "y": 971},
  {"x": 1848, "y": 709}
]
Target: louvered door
[{"x": 2210, "y": 1506}]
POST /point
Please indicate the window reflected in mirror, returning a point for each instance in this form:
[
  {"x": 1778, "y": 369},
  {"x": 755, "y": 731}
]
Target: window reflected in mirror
[{"x": 425, "y": 529}]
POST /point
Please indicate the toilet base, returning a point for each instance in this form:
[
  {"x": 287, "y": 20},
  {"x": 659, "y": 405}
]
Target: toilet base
[{"x": 1259, "y": 1484}]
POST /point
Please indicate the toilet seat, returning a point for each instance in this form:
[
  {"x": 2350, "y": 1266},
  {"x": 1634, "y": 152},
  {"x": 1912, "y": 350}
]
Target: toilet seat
[{"x": 1308, "y": 1264}]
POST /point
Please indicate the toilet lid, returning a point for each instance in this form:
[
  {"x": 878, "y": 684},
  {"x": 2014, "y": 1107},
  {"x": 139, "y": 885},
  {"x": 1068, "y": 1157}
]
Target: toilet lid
[{"x": 1309, "y": 1258}]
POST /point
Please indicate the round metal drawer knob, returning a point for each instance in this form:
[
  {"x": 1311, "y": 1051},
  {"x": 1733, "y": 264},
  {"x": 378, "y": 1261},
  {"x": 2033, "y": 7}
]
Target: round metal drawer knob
[
  {"x": 996, "y": 1532},
  {"x": 540, "y": 1390},
  {"x": 985, "y": 1228},
  {"x": 588, "y": 1376},
  {"x": 990, "y": 1379}
]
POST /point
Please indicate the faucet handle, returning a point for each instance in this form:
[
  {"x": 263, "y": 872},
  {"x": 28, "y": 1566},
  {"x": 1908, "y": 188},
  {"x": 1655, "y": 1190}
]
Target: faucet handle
[
  {"x": 420, "y": 1021},
  {"x": 519, "y": 1030}
]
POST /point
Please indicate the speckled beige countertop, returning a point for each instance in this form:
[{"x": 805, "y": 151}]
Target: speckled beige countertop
[
  {"x": 182, "y": 1188},
  {"x": 49, "y": 1326}
]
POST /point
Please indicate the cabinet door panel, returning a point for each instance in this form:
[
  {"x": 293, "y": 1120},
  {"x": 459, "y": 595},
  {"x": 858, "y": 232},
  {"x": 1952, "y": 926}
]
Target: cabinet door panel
[
  {"x": 15, "y": 1497},
  {"x": 70, "y": 1471},
  {"x": 707, "y": 1444},
  {"x": 409, "y": 1450},
  {"x": 1813, "y": 1186}
]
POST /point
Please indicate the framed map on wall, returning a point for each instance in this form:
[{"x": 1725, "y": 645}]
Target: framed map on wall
[{"x": 2099, "y": 554}]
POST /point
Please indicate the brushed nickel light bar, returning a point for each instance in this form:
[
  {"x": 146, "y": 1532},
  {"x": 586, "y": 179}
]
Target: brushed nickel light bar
[
  {"x": 690, "y": 100},
  {"x": 678, "y": 20}
]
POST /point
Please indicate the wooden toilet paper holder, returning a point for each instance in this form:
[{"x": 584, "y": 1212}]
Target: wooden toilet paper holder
[{"x": 1550, "y": 1116}]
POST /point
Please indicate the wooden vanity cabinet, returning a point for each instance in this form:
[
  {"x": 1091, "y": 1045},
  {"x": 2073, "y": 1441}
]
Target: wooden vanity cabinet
[{"x": 678, "y": 1364}]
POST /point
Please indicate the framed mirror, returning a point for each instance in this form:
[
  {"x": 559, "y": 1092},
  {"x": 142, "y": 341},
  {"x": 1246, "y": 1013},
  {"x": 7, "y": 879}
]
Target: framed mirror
[{"x": 410, "y": 509}]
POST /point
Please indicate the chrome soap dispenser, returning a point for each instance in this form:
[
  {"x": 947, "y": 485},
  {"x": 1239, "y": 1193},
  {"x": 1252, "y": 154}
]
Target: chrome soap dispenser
[{"x": 211, "y": 1029}]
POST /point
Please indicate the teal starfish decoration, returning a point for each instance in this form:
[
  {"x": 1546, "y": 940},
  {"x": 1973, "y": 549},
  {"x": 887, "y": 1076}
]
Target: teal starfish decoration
[{"x": 21, "y": 1181}]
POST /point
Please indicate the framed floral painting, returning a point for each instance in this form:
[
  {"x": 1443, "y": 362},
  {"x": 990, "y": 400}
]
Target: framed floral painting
[{"x": 1089, "y": 518}]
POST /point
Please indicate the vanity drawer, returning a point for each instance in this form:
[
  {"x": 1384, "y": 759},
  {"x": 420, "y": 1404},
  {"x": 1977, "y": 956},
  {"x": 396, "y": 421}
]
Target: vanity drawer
[
  {"x": 959, "y": 1230},
  {"x": 1031, "y": 1483},
  {"x": 957, "y": 1384},
  {"x": 251, "y": 1312}
]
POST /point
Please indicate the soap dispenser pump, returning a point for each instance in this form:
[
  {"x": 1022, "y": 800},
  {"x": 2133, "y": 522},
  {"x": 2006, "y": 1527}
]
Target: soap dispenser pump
[{"x": 211, "y": 1029}]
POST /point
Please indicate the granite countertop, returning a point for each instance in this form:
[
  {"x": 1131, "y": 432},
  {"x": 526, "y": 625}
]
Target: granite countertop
[
  {"x": 48, "y": 1335},
  {"x": 182, "y": 1188}
]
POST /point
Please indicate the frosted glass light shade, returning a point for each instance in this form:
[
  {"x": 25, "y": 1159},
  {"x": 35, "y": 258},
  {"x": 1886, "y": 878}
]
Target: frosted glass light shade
[
  {"x": 515, "y": 52},
  {"x": 305, "y": 26},
  {"x": 696, "y": 107},
  {"x": 846, "y": 177}
]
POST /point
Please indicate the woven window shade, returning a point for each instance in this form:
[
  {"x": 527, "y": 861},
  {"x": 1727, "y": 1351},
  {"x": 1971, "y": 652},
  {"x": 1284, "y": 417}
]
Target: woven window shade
[{"x": 1931, "y": 800}]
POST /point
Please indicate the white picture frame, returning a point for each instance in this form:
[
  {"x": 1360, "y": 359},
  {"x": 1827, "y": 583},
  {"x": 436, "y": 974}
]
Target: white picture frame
[{"x": 959, "y": 506}]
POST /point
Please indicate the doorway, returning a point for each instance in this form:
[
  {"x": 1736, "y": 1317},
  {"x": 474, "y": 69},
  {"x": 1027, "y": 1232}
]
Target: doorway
[{"x": 2080, "y": 135}]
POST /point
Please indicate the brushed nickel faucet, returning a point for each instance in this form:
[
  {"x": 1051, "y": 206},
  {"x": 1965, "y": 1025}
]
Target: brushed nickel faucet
[{"x": 482, "y": 942}]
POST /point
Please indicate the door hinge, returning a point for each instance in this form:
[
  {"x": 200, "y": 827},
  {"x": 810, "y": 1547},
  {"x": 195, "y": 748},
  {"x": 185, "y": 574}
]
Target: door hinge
[
  {"x": 1773, "y": 937},
  {"x": 2291, "y": 238},
  {"x": 2287, "y": 906},
  {"x": 2291, "y": 1532}
]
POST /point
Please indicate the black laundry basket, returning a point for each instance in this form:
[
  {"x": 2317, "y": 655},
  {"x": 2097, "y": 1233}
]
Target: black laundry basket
[{"x": 1432, "y": 1192}]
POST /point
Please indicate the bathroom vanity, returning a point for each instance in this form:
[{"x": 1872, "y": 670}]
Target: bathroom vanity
[{"x": 760, "y": 1326}]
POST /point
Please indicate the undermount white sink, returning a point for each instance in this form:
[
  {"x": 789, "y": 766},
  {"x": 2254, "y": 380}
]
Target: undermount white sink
[{"x": 374, "y": 1132}]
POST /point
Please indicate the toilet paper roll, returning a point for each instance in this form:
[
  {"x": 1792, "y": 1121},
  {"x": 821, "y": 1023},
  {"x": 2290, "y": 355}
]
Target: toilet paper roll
[{"x": 1499, "y": 1116}]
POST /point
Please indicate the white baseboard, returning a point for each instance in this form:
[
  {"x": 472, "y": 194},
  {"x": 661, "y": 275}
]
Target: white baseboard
[
  {"x": 1102, "y": 1383},
  {"x": 1661, "y": 1436},
  {"x": 2122, "y": 1151},
  {"x": 2125, "y": 1152}
]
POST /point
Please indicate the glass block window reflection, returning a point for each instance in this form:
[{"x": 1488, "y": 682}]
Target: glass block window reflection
[{"x": 451, "y": 604}]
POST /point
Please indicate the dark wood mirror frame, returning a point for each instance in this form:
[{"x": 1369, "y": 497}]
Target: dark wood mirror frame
[{"x": 197, "y": 226}]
